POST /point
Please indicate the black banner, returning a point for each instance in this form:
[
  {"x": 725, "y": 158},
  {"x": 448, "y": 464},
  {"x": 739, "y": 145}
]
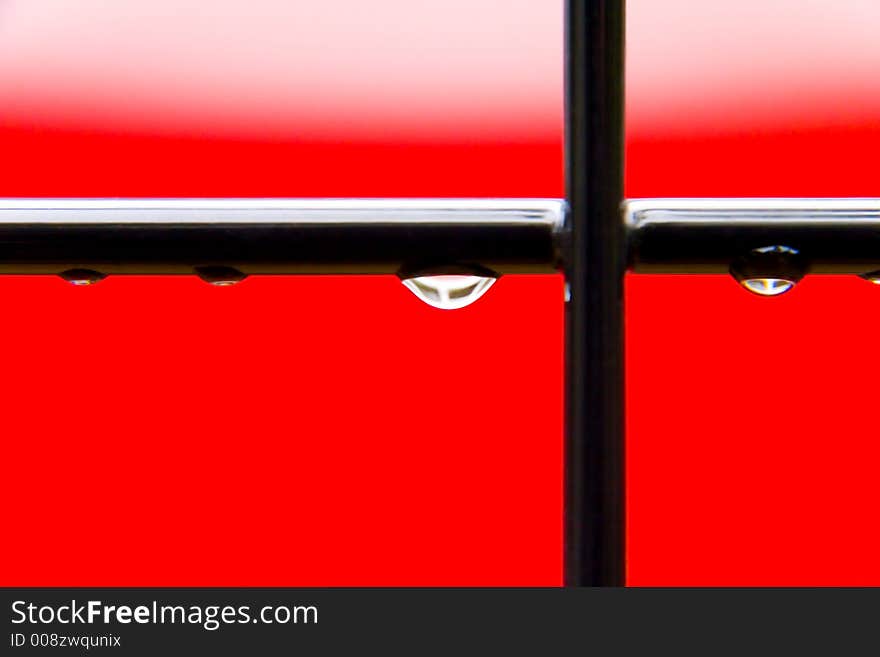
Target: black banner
[{"x": 286, "y": 621}]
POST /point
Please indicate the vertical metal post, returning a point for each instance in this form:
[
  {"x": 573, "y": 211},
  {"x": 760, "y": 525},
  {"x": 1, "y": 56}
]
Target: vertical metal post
[{"x": 594, "y": 449}]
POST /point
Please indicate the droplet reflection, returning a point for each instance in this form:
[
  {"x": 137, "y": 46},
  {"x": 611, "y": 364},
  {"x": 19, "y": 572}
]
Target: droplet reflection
[
  {"x": 777, "y": 248},
  {"x": 220, "y": 276},
  {"x": 82, "y": 277},
  {"x": 449, "y": 292},
  {"x": 770, "y": 271},
  {"x": 767, "y": 287}
]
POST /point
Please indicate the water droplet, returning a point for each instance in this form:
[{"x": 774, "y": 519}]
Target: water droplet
[
  {"x": 220, "y": 276},
  {"x": 449, "y": 292},
  {"x": 82, "y": 277},
  {"x": 776, "y": 248},
  {"x": 769, "y": 271},
  {"x": 872, "y": 277},
  {"x": 566, "y": 294},
  {"x": 767, "y": 287}
]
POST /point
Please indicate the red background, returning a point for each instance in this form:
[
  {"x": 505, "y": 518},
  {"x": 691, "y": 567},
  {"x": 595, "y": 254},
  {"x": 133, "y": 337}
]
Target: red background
[{"x": 335, "y": 431}]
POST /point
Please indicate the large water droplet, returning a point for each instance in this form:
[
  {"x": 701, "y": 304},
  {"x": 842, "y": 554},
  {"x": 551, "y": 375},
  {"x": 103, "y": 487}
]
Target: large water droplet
[
  {"x": 220, "y": 276},
  {"x": 767, "y": 287},
  {"x": 449, "y": 292},
  {"x": 82, "y": 277}
]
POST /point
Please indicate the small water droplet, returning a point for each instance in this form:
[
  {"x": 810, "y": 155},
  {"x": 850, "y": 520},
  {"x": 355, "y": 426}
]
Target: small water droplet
[
  {"x": 220, "y": 276},
  {"x": 767, "y": 287},
  {"x": 567, "y": 292},
  {"x": 449, "y": 292},
  {"x": 769, "y": 271},
  {"x": 82, "y": 277}
]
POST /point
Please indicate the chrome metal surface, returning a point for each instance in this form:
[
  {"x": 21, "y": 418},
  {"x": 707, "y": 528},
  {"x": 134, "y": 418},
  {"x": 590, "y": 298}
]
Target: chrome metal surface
[
  {"x": 834, "y": 236},
  {"x": 279, "y": 236}
]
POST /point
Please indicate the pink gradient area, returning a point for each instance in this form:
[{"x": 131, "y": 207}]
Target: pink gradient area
[
  {"x": 276, "y": 68},
  {"x": 720, "y": 66},
  {"x": 400, "y": 69}
]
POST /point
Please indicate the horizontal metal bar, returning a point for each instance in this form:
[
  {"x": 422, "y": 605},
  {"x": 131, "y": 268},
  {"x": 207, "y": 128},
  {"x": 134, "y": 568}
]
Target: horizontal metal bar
[
  {"x": 280, "y": 236},
  {"x": 833, "y": 236},
  {"x": 409, "y": 236}
]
